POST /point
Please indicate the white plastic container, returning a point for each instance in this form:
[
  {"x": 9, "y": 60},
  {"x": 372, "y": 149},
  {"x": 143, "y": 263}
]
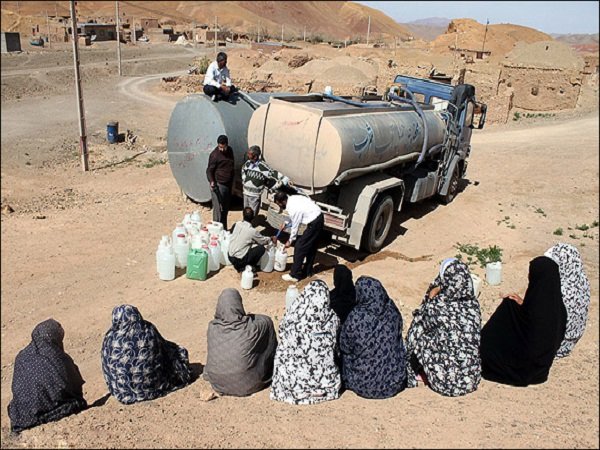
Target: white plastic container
[
  {"x": 181, "y": 249},
  {"x": 290, "y": 295},
  {"x": 476, "y": 284},
  {"x": 225, "y": 236},
  {"x": 187, "y": 221},
  {"x": 204, "y": 234},
  {"x": 267, "y": 261},
  {"x": 165, "y": 259},
  {"x": 493, "y": 273},
  {"x": 196, "y": 218},
  {"x": 215, "y": 256},
  {"x": 164, "y": 242},
  {"x": 280, "y": 259},
  {"x": 214, "y": 228},
  {"x": 211, "y": 263},
  {"x": 247, "y": 278},
  {"x": 196, "y": 241},
  {"x": 178, "y": 230}
]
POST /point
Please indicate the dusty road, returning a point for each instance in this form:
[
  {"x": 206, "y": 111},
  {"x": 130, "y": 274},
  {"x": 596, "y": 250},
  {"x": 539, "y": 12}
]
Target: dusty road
[{"x": 95, "y": 248}]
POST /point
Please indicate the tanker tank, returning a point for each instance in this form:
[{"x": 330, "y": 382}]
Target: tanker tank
[
  {"x": 194, "y": 126},
  {"x": 314, "y": 141}
]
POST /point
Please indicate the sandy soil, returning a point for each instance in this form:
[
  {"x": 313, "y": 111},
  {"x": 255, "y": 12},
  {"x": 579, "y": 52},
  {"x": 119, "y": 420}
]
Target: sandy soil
[{"x": 80, "y": 243}]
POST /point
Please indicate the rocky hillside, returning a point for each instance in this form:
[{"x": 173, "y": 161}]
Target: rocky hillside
[{"x": 328, "y": 20}]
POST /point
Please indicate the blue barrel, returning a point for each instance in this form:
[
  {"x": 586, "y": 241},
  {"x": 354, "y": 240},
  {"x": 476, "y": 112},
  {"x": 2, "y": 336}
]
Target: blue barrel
[{"x": 112, "y": 132}]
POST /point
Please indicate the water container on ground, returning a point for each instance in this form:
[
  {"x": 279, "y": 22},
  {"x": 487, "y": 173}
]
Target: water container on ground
[
  {"x": 280, "y": 258},
  {"x": 476, "y": 284},
  {"x": 247, "y": 278},
  {"x": 164, "y": 242},
  {"x": 493, "y": 273},
  {"x": 166, "y": 263},
  {"x": 179, "y": 229},
  {"x": 181, "y": 248},
  {"x": 225, "y": 237},
  {"x": 214, "y": 227},
  {"x": 267, "y": 261},
  {"x": 112, "y": 132},
  {"x": 215, "y": 256},
  {"x": 196, "y": 218},
  {"x": 197, "y": 264},
  {"x": 290, "y": 295}
]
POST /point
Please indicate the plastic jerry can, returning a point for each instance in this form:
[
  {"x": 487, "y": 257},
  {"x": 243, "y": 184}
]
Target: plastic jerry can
[
  {"x": 493, "y": 273},
  {"x": 280, "y": 259},
  {"x": 267, "y": 261},
  {"x": 197, "y": 264},
  {"x": 166, "y": 263},
  {"x": 290, "y": 295}
]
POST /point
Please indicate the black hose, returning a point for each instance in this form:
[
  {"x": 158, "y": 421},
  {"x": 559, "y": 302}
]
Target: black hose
[
  {"x": 419, "y": 111},
  {"x": 353, "y": 103}
]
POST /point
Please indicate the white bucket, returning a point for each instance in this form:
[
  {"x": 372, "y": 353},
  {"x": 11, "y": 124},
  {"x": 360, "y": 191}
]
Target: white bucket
[
  {"x": 493, "y": 273},
  {"x": 476, "y": 284}
]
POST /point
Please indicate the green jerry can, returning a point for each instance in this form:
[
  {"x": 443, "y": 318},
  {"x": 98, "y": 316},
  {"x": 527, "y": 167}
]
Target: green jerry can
[{"x": 197, "y": 264}]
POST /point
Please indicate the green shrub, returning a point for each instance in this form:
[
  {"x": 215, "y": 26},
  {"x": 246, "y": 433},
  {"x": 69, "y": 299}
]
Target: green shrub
[
  {"x": 492, "y": 253},
  {"x": 558, "y": 232},
  {"x": 203, "y": 64}
]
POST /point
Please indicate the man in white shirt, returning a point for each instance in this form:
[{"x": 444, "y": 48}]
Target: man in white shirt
[
  {"x": 217, "y": 82},
  {"x": 302, "y": 210}
]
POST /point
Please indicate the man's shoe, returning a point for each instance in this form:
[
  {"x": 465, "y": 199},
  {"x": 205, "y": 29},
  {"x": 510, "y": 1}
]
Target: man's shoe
[{"x": 288, "y": 277}]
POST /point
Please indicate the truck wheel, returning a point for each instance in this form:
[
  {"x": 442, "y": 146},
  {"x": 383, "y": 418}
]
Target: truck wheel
[
  {"x": 452, "y": 188},
  {"x": 379, "y": 224}
]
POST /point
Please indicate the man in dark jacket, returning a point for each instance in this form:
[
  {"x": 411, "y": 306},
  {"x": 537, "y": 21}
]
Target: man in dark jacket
[{"x": 220, "y": 176}]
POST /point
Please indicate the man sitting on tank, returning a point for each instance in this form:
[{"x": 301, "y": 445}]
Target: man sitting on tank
[
  {"x": 217, "y": 81},
  {"x": 256, "y": 175},
  {"x": 247, "y": 245}
]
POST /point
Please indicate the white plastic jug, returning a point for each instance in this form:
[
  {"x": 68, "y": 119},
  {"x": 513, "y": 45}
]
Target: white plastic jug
[
  {"x": 181, "y": 249},
  {"x": 178, "y": 230},
  {"x": 215, "y": 256},
  {"x": 225, "y": 249},
  {"x": 267, "y": 261},
  {"x": 493, "y": 273},
  {"x": 166, "y": 262},
  {"x": 196, "y": 241},
  {"x": 196, "y": 218},
  {"x": 290, "y": 295},
  {"x": 214, "y": 227},
  {"x": 204, "y": 234},
  {"x": 187, "y": 221},
  {"x": 476, "y": 284},
  {"x": 162, "y": 247},
  {"x": 211, "y": 264},
  {"x": 247, "y": 278},
  {"x": 280, "y": 259}
]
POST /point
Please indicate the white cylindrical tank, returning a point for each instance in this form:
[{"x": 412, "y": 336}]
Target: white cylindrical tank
[{"x": 315, "y": 141}]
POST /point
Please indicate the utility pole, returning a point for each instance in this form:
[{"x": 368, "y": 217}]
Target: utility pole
[
  {"x": 118, "y": 38},
  {"x": 18, "y": 9},
  {"x": 368, "y": 30},
  {"x": 484, "y": 35},
  {"x": 56, "y": 9},
  {"x": 48, "y": 27},
  {"x": 83, "y": 150},
  {"x": 133, "y": 39},
  {"x": 215, "y": 36},
  {"x": 305, "y": 34},
  {"x": 281, "y": 34},
  {"x": 258, "y": 32},
  {"x": 194, "y": 32}
]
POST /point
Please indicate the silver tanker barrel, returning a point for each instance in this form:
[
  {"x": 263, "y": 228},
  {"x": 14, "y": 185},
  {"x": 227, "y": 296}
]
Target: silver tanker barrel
[
  {"x": 317, "y": 143},
  {"x": 194, "y": 126}
]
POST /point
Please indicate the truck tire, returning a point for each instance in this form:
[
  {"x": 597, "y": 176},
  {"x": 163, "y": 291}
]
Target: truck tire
[
  {"x": 452, "y": 188},
  {"x": 379, "y": 224}
]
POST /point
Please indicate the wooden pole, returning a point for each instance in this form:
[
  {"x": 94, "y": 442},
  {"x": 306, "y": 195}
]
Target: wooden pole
[
  {"x": 368, "y": 30},
  {"x": 304, "y": 34},
  {"x": 118, "y": 38},
  {"x": 133, "y": 36},
  {"x": 281, "y": 34},
  {"x": 48, "y": 27},
  {"x": 83, "y": 150},
  {"x": 215, "y": 36}
]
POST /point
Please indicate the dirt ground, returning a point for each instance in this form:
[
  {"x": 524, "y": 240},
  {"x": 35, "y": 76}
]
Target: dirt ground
[{"x": 78, "y": 244}]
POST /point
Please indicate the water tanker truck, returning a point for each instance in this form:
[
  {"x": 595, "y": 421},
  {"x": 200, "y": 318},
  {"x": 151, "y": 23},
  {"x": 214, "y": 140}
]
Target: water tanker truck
[{"x": 360, "y": 160}]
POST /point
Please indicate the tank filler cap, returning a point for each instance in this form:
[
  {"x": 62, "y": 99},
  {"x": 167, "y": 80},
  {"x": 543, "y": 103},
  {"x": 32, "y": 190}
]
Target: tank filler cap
[{"x": 328, "y": 90}]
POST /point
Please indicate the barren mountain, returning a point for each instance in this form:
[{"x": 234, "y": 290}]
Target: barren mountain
[
  {"x": 336, "y": 19},
  {"x": 427, "y": 29},
  {"x": 583, "y": 43}
]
